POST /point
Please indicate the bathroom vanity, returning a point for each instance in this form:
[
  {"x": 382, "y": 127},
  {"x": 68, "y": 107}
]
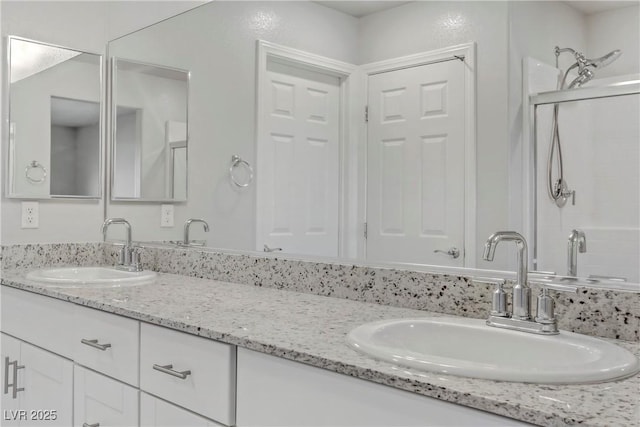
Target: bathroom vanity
[{"x": 186, "y": 351}]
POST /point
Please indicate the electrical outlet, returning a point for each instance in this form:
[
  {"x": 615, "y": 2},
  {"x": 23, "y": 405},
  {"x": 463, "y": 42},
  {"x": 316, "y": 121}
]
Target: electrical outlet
[
  {"x": 166, "y": 216},
  {"x": 30, "y": 215}
]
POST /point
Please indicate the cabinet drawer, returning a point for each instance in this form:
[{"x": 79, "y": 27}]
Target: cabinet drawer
[
  {"x": 158, "y": 413},
  {"x": 99, "y": 400},
  {"x": 43, "y": 321},
  {"x": 107, "y": 343},
  {"x": 204, "y": 371}
]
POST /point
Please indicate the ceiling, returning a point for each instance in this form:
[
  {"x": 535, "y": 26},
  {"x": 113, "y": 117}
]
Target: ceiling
[
  {"x": 360, "y": 8},
  {"x": 589, "y": 7}
]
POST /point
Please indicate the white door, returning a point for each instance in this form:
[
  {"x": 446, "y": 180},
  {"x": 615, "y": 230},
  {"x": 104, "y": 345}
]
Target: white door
[
  {"x": 158, "y": 413},
  {"x": 10, "y": 353},
  {"x": 298, "y": 161},
  {"x": 48, "y": 386},
  {"x": 99, "y": 400},
  {"x": 43, "y": 383},
  {"x": 415, "y": 164}
]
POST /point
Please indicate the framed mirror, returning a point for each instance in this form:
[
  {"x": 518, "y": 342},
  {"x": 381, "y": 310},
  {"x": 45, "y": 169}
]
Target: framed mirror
[
  {"x": 149, "y": 132},
  {"x": 55, "y": 122}
]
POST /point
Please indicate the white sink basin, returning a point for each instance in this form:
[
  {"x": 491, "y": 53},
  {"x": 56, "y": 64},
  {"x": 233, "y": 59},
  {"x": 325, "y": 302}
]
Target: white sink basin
[
  {"x": 74, "y": 277},
  {"x": 470, "y": 348}
]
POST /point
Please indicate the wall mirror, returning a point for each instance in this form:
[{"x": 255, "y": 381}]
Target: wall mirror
[
  {"x": 55, "y": 122},
  {"x": 253, "y": 166},
  {"x": 149, "y": 111}
]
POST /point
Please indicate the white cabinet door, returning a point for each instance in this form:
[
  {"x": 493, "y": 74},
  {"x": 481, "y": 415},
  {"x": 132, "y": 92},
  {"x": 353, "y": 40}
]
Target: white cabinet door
[
  {"x": 102, "y": 400},
  {"x": 415, "y": 165},
  {"x": 48, "y": 387},
  {"x": 43, "y": 384},
  {"x": 282, "y": 393},
  {"x": 10, "y": 353},
  {"x": 158, "y": 413}
]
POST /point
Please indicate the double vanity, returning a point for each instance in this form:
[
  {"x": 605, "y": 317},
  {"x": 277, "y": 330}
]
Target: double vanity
[{"x": 147, "y": 348}]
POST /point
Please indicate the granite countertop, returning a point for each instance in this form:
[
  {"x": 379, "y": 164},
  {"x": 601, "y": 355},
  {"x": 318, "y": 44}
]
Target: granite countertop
[{"x": 312, "y": 329}]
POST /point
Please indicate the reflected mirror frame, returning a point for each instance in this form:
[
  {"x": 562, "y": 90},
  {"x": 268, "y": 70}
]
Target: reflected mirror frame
[
  {"x": 6, "y": 82},
  {"x": 113, "y": 127}
]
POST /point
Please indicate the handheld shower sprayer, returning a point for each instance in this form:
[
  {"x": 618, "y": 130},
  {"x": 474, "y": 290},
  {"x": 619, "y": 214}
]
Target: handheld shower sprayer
[
  {"x": 558, "y": 188},
  {"x": 584, "y": 64}
]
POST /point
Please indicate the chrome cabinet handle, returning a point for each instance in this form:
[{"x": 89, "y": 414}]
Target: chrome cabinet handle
[
  {"x": 91, "y": 425},
  {"x": 94, "y": 344},
  {"x": 167, "y": 369},
  {"x": 14, "y": 384},
  {"x": 452, "y": 252},
  {"x": 6, "y": 375}
]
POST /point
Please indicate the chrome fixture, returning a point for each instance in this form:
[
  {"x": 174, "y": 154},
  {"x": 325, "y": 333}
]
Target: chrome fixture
[
  {"x": 577, "y": 242},
  {"x": 520, "y": 319},
  {"x": 268, "y": 249},
  {"x": 452, "y": 252},
  {"x": 237, "y": 161},
  {"x": 129, "y": 259},
  {"x": 187, "y": 224},
  {"x": 558, "y": 189}
]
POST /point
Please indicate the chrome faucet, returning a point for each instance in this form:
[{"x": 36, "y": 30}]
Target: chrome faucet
[
  {"x": 520, "y": 319},
  {"x": 577, "y": 243},
  {"x": 129, "y": 260},
  {"x": 521, "y": 291},
  {"x": 187, "y": 225}
]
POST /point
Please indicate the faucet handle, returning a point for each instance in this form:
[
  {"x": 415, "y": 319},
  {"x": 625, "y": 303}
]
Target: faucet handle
[
  {"x": 499, "y": 301},
  {"x": 545, "y": 308},
  {"x": 122, "y": 255},
  {"x": 135, "y": 260}
]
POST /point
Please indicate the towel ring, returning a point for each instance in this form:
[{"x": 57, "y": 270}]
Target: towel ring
[
  {"x": 35, "y": 165},
  {"x": 237, "y": 161}
]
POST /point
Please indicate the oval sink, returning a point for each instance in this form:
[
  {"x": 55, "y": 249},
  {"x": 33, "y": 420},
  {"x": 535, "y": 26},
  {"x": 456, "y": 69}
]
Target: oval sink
[
  {"x": 470, "y": 348},
  {"x": 70, "y": 277}
]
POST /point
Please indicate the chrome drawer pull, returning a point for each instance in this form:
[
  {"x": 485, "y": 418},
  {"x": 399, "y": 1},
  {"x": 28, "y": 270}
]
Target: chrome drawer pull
[
  {"x": 167, "y": 370},
  {"x": 91, "y": 425},
  {"x": 6, "y": 375},
  {"x": 94, "y": 344}
]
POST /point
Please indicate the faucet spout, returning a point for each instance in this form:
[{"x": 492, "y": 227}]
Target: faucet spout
[
  {"x": 577, "y": 242},
  {"x": 110, "y": 221},
  {"x": 187, "y": 226},
  {"x": 521, "y": 291}
]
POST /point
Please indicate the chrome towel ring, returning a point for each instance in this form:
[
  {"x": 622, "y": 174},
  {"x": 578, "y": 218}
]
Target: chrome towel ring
[
  {"x": 237, "y": 161},
  {"x": 35, "y": 165}
]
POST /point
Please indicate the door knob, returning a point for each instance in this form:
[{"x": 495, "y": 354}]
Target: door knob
[{"x": 452, "y": 252}]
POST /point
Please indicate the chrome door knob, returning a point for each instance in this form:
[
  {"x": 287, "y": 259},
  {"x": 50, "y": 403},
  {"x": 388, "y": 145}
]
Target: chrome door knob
[{"x": 452, "y": 252}]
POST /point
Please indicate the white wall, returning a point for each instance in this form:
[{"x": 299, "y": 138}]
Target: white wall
[
  {"x": 221, "y": 57},
  {"x": 84, "y": 26},
  {"x": 615, "y": 29}
]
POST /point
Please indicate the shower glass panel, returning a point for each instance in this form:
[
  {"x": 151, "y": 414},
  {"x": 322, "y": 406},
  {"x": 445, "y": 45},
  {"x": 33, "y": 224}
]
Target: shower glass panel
[{"x": 601, "y": 150}]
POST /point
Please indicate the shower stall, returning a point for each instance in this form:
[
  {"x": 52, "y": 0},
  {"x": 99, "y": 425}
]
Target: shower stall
[{"x": 585, "y": 180}]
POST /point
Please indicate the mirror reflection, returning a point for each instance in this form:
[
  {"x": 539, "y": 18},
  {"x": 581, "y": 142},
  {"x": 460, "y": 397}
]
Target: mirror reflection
[
  {"x": 150, "y": 131},
  {"x": 55, "y": 126},
  {"x": 365, "y": 134}
]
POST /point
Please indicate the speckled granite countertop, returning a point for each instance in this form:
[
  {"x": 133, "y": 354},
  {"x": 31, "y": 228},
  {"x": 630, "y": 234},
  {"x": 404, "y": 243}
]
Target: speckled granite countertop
[{"x": 312, "y": 329}]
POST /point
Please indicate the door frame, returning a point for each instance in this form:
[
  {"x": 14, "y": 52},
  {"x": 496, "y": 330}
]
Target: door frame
[
  {"x": 467, "y": 53},
  {"x": 267, "y": 51}
]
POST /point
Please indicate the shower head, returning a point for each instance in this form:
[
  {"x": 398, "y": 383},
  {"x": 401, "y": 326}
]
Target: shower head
[
  {"x": 583, "y": 64},
  {"x": 605, "y": 60}
]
